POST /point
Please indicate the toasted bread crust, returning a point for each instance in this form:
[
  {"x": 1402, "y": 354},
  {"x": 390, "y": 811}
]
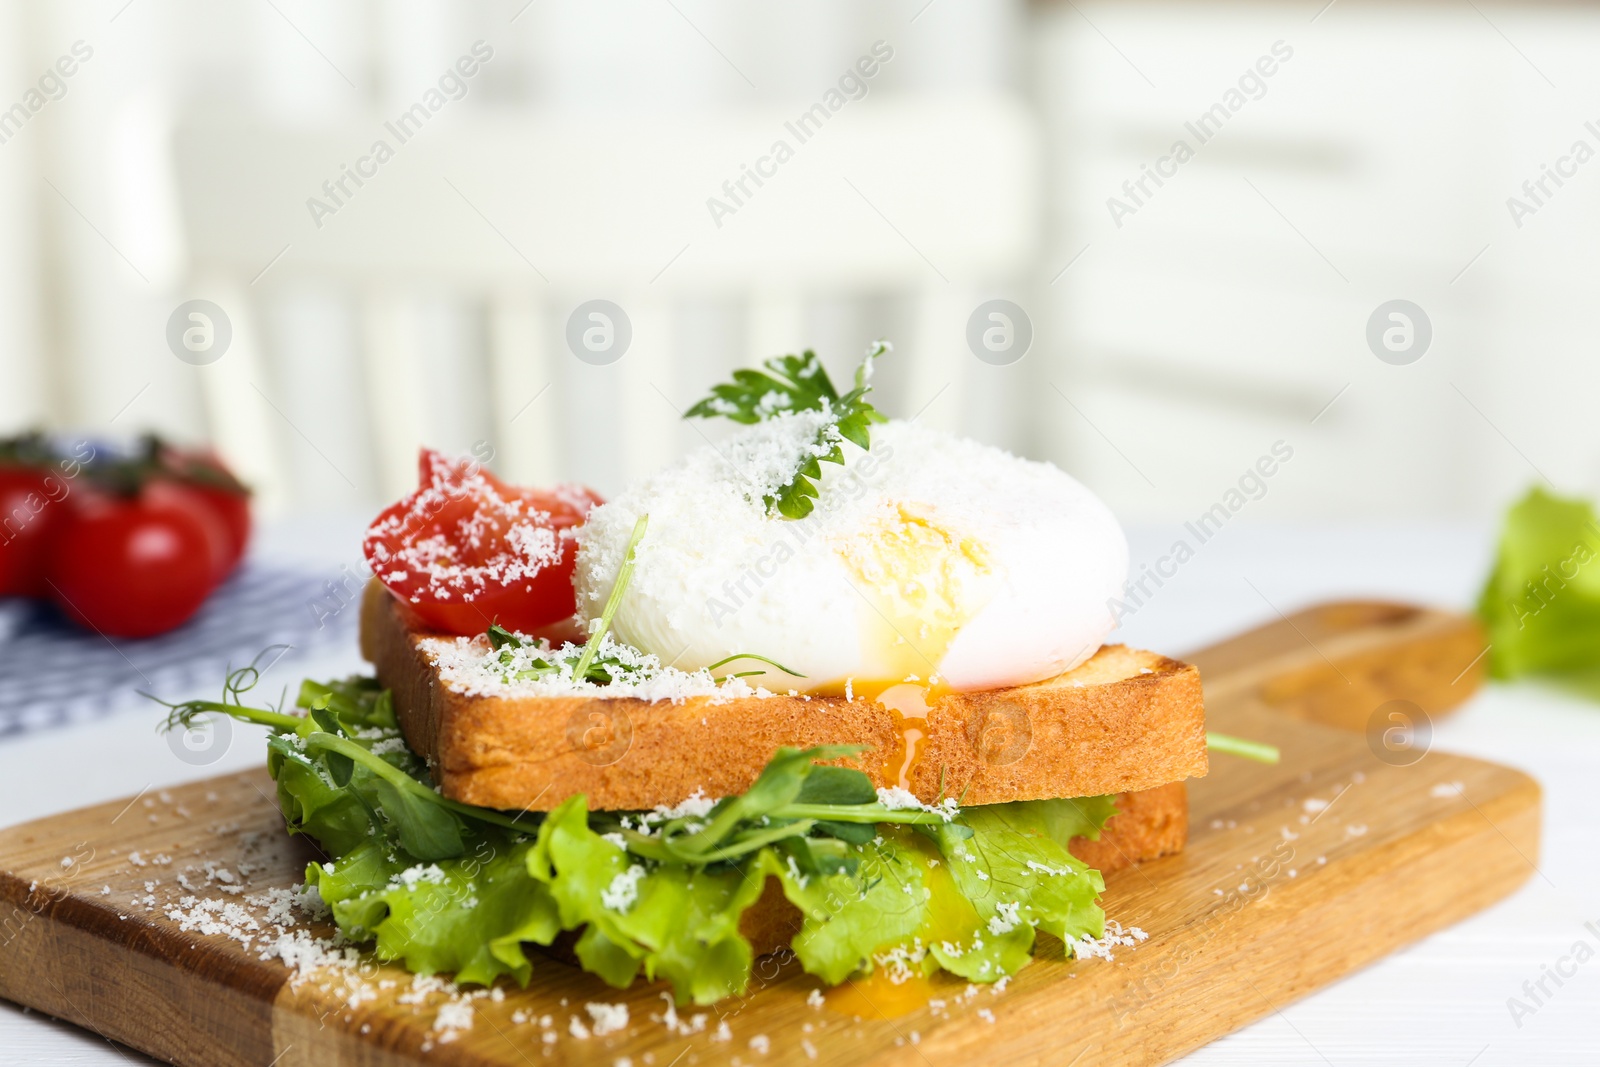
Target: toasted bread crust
[
  {"x": 1149, "y": 823},
  {"x": 1122, "y": 722}
]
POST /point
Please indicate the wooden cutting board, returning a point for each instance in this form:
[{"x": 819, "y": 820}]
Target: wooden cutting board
[{"x": 1294, "y": 876}]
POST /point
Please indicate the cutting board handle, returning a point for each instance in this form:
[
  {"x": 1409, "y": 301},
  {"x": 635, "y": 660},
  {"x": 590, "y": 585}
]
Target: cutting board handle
[{"x": 1338, "y": 662}]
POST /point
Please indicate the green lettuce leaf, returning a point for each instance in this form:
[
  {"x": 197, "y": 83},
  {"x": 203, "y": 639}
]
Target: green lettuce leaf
[
  {"x": 330, "y": 797},
  {"x": 469, "y": 916},
  {"x": 1019, "y": 877},
  {"x": 1064, "y": 820},
  {"x": 681, "y": 924},
  {"x": 1541, "y": 604},
  {"x": 670, "y": 920},
  {"x": 849, "y": 920}
]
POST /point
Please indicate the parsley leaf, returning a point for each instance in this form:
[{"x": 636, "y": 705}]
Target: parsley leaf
[{"x": 791, "y": 384}]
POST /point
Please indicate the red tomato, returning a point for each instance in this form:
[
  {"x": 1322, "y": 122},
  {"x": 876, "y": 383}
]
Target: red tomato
[
  {"x": 466, "y": 550},
  {"x": 165, "y": 494},
  {"x": 209, "y": 479},
  {"x": 132, "y": 566},
  {"x": 31, "y": 508},
  {"x": 233, "y": 507}
]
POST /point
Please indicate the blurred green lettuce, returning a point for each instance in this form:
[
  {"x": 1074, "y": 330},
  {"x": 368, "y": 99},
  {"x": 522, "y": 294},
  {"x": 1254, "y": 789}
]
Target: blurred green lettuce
[{"x": 1541, "y": 605}]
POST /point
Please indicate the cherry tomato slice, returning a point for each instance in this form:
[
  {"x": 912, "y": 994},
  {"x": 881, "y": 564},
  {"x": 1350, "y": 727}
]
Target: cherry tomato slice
[{"x": 466, "y": 550}]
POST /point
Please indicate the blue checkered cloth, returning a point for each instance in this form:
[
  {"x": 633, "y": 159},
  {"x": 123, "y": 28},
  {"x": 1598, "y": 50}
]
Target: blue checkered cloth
[{"x": 53, "y": 673}]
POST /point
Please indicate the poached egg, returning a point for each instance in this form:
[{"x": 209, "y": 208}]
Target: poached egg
[{"x": 928, "y": 561}]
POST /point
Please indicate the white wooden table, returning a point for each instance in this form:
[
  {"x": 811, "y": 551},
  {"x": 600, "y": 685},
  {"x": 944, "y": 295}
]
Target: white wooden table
[{"x": 1442, "y": 1002}]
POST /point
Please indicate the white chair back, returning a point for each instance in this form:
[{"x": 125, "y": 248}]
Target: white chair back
[{"x": 525, "y": 219}]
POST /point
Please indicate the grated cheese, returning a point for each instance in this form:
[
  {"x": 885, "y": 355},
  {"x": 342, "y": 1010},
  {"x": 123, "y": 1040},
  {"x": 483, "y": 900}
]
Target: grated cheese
[
  {"x": 452, "y": 1017},
  {"x": 607, "y": 1018},
  {"x": 469, "y": 666},
  {"x": 623, "y": 891},
  {"x": 430, "y": 873},
  {"x": 696, "y": 804},
  {"x": 898, "y": 799},
  {"x": 1115, "y": 937},
  {"x": 1007, "y": 917}
]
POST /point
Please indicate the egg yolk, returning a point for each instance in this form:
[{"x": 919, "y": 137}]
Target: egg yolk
[{"x": 920, "y": 583}]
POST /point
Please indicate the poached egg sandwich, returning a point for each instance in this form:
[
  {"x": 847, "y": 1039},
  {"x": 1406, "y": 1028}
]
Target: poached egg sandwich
[{"x": 836, "y": 684}]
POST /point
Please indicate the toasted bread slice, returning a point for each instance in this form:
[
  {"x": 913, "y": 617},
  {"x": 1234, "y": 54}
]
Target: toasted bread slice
[
  {"x": 1121, "y": 722},
  {"x": 1148, "y": 824}
]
